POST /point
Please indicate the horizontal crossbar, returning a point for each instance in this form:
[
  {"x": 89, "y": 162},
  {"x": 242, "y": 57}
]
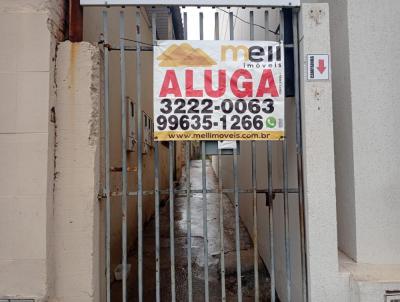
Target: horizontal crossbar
[{"x": 213, "y": 191}]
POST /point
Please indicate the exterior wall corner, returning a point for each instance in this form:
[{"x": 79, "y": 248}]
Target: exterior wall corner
[{"x": 76, "y": 231}]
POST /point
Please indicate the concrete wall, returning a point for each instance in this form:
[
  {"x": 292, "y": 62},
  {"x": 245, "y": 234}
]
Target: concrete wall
[
  {"x": 366, "y": 151},
  {"x": 375, "y": 111},
  {"x": 325, "y": 281},
  {"x": 364, "y": 89},
  {"x": 77, "y": 183},
  {"x": 342, "y": 119},
  {"x": 29, "y": 31}
]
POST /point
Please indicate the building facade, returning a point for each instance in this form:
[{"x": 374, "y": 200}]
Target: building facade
[{"x": 52, "y": 131}]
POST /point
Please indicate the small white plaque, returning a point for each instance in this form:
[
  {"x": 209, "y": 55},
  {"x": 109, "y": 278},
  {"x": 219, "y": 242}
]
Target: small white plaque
[
  {"x": 223, "y": 145},
  {"x": 318, "y": 67}
]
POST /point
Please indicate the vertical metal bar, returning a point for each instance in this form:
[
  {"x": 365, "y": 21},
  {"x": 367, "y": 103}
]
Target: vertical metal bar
[
  {"x": 171, "y": 194},
  {"x": 271, "y": 221},
  {"x": 123, "y": 151},
  {"x": 299, "y": 149},
  {"x": 231, "y": 29},
  {"x": 285, "y": 180},
  {"x": 266, "y": 25},
  {"x": 270, "y": 194},
  {"x": 255, "y": 232},
  {"x": 204, "y": 185},
  {"x": 171, "y": 217},
  {"x": 157, "y": 216},
  {"x": 185, "y": 25},
  {"x": 221, "y": 196},
  {"x": 156, "y": 183},
  {"x": 251, "y": 25},
  {"x": 188, "y": 222},
  {"x": 201, "y": 18},
  {"x": 140, "y": 159},
  {"x": 170, "y": 28},
  {"x": 188, "y": 204},
  {"x": 286, "y": 215},
  {"x": 205, "y": 230},
  {"x": 236, "y": 198},
  {"x": 221, "y": 227},
  {"x": 254, "y": 184},
  {"x": 107, "y": 158},
  {"x": 216, "y": 26},
  {"x": 237, "y": 225}
]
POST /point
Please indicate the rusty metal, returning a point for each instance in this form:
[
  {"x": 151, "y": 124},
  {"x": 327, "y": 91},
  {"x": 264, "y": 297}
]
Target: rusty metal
[
  {"x": 75, "y": 21},
  {"x": 175, "y": 193},
  {"x": 119, "y": 169},
  {"x": 209, "y": 191}
]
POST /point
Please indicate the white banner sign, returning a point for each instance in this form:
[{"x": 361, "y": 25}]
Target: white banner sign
[{"x": 218, "y": 90}]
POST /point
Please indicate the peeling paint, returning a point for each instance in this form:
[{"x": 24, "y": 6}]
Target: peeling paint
[
  {"x": 77, "y": 149},
  {"x": 94, "y": 122},
  {"x": 72, "y": 66},
  {"x": 54, "y": 9}
]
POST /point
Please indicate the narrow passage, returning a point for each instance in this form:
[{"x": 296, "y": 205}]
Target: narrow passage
[{"x": 149, "y": 284}]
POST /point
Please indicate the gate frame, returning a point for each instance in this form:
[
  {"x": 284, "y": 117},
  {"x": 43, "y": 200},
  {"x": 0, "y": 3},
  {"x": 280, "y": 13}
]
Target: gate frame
[
  {"x": 107, "y": 194},
  {"x": 210, "y": 3}
]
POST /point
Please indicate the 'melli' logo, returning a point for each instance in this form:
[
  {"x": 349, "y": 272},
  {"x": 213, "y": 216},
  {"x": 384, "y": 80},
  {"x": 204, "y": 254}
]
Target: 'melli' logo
[
  {"x": 185, "y": 55},
  {"x": 253, "y": 53}
]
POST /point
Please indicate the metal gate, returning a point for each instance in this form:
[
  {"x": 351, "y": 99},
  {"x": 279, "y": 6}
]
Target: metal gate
[{"x": 134, "y": 138}]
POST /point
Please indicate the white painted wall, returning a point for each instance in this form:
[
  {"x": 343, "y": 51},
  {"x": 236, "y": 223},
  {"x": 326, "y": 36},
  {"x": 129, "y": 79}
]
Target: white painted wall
[
  {"x": 29, "y": 31},
  {"x": 325, "y": 282},
  {"x": 375, "y": 111},
  {"x": 342, "y": 120},
  {"x": 365, "y": 90}
]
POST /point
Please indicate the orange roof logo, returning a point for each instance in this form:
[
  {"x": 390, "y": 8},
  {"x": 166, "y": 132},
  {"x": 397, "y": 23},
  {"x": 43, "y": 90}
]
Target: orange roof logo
[{"x": 184, "y": 55}]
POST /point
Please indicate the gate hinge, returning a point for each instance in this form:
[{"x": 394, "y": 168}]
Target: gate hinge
[
  {"x": 267, "y": 199},
  {"x": 119, "y": 169},
  {"x": 101, "y": 194}
]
